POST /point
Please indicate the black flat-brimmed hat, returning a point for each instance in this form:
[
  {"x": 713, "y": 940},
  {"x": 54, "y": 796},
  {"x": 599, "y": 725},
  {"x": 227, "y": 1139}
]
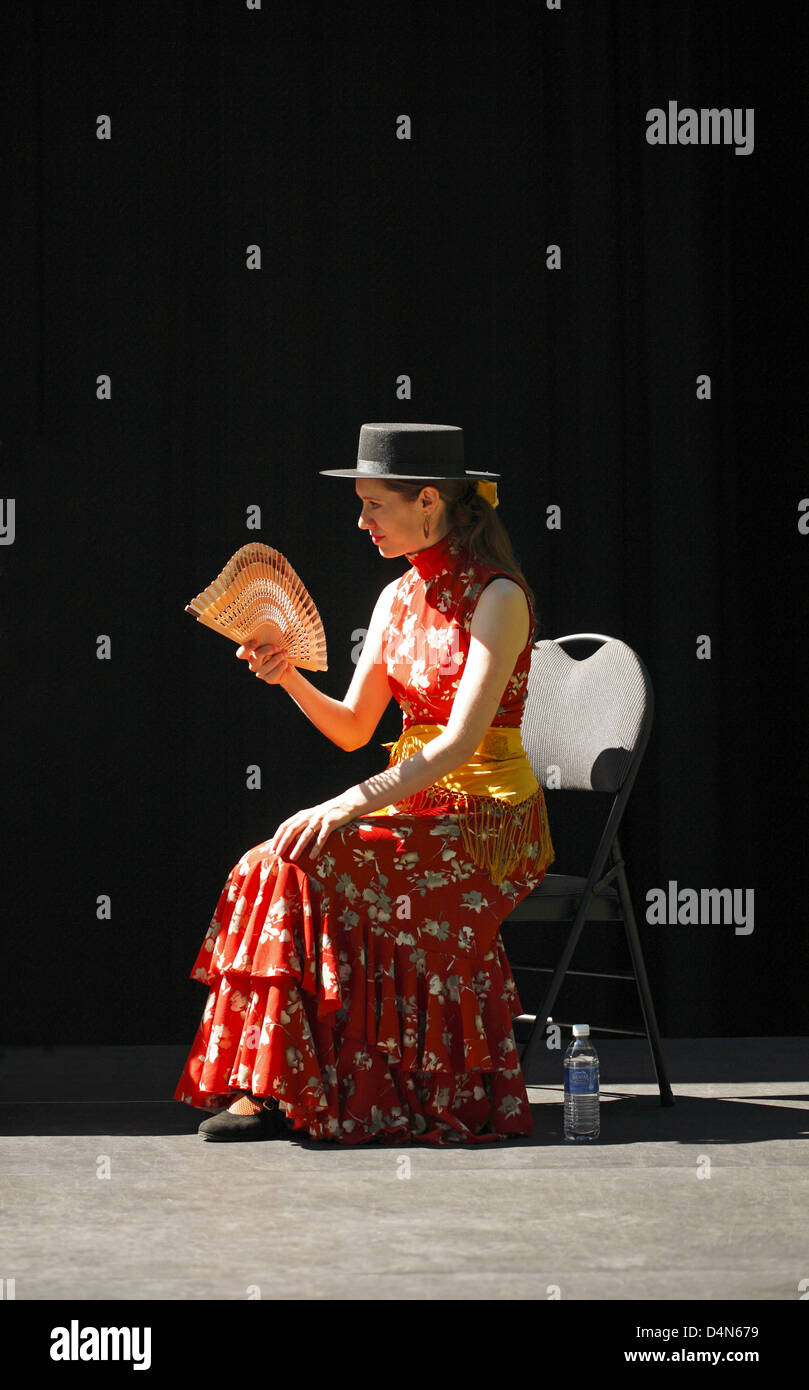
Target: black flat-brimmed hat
[{"x": 410, "y": 453}]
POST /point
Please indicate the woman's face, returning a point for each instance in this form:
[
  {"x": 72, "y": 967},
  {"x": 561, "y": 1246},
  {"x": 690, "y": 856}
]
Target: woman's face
[{"x": 397, "y": 525}]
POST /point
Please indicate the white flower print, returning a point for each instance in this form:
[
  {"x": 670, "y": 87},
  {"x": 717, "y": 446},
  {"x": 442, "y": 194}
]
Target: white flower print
[
  {"x": 220, "y": 1038},
  {"x": 282, "y": 908},
  {"x": 430, "y": 879},
  {"x": 235, "y": 921},
  {"x": 509, "y": 991},
  {"x": 514, "y": 686},
  {"x": 449, "y": 830},
  {"x": 380, "y": 904},
  {"x": 364, "y": 856},
  {"x": 269, "y": 930},
  {"x": 346, "y": 885},
  {"x": 461, "y": 869},
  {"x": 420, "y": 677},
  {"x": 482, "y": 984},
  {"x": 452, "y": 990}
]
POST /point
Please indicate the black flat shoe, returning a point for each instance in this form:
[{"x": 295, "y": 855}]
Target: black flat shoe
[{"x": 266, "y": 1123}]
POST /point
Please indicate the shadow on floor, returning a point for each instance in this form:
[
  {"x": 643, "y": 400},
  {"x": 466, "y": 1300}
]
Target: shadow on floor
[{"x": 624, "y": 1120}]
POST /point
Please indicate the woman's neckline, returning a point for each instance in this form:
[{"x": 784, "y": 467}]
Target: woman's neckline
[{"x": 436, "y": 558}]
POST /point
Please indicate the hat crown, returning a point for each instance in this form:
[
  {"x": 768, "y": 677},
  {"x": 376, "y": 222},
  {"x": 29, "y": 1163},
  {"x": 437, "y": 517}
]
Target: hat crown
[
  {"x": 425, "y": 453},
  {"x": 409, "y": 448}
]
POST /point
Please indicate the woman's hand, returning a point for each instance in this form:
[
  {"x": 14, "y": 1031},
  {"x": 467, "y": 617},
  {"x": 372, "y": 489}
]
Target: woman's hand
[
  {"x": 297, "y": 831},
  {"x": 268, "y": 661}
]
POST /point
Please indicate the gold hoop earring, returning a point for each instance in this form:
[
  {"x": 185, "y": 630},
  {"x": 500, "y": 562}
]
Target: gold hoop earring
[{"x": 426, "y": 526}]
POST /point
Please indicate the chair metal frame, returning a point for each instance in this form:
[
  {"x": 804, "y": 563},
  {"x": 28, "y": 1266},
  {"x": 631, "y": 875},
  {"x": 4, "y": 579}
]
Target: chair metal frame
[{"x": 593, "y": 899}]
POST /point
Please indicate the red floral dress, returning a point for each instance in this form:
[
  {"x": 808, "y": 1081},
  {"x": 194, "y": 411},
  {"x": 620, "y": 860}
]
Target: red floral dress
[{"x": 369, "y": 991}]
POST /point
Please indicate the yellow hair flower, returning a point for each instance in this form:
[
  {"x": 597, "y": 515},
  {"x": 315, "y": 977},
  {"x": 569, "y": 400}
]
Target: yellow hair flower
[{"x": 488, "y": 490}]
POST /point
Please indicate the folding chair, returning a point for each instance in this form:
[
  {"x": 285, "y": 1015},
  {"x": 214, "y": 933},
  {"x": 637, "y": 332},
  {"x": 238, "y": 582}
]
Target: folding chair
[{"x": 590, "y": 719}]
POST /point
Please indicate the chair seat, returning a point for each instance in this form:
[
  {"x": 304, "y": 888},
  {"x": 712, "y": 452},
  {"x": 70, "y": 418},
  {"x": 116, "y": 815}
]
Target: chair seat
[{"x": 557, "y": 899}]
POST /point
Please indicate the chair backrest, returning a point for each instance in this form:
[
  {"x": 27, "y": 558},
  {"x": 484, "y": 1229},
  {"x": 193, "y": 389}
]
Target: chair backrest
[{"x": 590, "y": 718}]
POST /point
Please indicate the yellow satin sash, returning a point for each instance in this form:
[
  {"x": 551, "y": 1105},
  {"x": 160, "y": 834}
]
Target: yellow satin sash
[{"x": 500, "y": 805}]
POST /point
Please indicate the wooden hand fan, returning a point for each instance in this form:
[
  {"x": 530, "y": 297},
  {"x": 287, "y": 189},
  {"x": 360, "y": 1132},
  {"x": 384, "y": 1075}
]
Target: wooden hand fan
[{"x": 258, "y": 598}]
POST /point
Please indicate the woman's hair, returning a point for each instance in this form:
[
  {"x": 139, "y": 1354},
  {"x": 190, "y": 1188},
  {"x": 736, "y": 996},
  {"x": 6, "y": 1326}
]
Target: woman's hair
[{"x": 479, "y": 526}]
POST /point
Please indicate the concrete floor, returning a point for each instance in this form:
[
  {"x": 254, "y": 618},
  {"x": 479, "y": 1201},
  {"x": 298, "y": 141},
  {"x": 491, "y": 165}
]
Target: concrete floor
[{"x": 703, "y": 1200}]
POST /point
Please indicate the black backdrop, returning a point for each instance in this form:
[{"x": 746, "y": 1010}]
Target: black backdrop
[{"x": 276, "y": 127}]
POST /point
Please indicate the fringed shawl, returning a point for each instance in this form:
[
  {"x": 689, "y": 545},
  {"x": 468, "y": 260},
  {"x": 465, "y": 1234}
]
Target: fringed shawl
[{"x": 499, "y": 803}]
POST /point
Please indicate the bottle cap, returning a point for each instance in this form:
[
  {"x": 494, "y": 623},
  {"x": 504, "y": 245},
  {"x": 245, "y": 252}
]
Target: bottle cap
[{"x": 581, "y": 1030}]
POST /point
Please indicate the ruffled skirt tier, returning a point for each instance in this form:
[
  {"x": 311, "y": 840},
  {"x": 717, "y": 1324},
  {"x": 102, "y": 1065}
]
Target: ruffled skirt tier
[{"x": 368, "y": 991}]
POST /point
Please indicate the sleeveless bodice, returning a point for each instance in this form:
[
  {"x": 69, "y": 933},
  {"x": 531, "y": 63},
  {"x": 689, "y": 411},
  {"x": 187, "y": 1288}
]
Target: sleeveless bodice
[
  {"x": 427, "y": 641},
  {"x": 499, "y": 804}
]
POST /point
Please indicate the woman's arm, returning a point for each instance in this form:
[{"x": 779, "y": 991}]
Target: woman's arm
[
  {"x": 498, "y": 632},
  {"x": 350, "y": 722}
]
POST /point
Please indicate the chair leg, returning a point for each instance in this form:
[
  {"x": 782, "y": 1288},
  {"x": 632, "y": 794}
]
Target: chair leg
[
  {"x": 538, "y": 1031},
  {"x": 650, "y": 1019}
]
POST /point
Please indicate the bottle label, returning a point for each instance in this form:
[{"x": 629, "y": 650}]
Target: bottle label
[{"x": 581, "y": 1080}]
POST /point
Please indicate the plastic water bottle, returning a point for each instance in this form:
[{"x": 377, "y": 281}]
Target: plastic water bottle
[{"x": 581, "y": 1087}]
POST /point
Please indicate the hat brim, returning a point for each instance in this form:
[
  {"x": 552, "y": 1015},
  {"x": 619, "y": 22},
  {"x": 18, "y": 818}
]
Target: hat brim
[{"x": 404, "y": 477}]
